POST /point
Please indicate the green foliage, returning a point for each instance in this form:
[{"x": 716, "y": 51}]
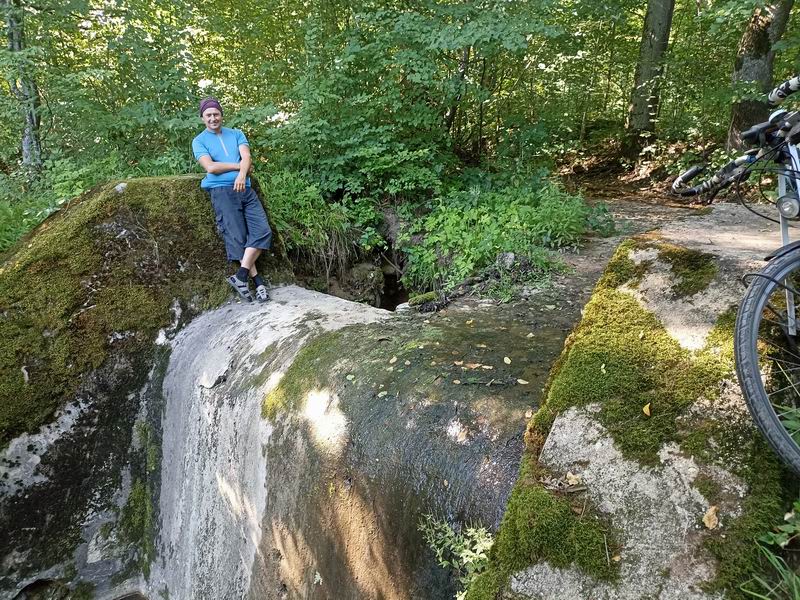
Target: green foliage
[
  {"x": 137, "y": 524},
  {"x": 779, "y": 580},
  {"x": 466, "y": 230},
  {"x": 599, "y": 220},
  {"x": 315, "y": 229},
  {"x": 465, "y": 552},
  {"x": 785, "y": 533},
  {"x": 541, "y": 526},
  {"x": 782, "y": 582}
]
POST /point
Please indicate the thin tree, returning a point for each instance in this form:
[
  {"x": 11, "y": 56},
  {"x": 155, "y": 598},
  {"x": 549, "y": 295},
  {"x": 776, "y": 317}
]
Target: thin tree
[
  {"x": 643, "y": 108},
  {"x": 754, "y": 63},
  {"x": 23, "y": 86}
]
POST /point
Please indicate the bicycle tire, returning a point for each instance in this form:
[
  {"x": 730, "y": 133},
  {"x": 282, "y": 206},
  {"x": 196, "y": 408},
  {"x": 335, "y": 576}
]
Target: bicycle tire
[{"x": 758, "y": 342}]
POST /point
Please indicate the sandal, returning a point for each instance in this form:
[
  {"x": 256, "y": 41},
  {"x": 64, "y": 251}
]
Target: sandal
[
  {"x": 262, "y": 295},
  {"x": 240, "y": 287}
]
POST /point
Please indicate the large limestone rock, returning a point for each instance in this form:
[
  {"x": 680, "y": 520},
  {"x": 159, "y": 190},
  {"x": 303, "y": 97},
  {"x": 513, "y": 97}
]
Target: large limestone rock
[
  {"x": 155, "y": 446},
  {"x": 83, "y": 300},
  {"x": 643, "y": 474}
]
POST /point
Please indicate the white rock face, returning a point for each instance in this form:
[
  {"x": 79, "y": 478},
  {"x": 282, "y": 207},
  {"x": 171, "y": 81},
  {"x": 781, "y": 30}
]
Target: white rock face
[
  {"x": 213, "y": 466},
  {"x": 656, "y": 510},
  {"x": 688, "y": 320}
]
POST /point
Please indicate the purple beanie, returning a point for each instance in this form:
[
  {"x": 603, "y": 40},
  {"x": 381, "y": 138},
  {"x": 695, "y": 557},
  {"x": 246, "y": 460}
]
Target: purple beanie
[{"x": 207, "y": 103}]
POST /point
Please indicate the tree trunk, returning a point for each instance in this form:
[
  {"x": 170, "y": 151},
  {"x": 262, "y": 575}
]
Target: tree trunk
[
  {"x": 644, "y": 97},
  {"x": 24, "y": 88},
  {"x": 754, "y": 62},
  {"x": 463, "y": 65}
]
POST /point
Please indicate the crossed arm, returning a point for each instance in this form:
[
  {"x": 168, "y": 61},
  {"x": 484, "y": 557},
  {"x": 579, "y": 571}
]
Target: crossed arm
[{"x": 217, "y": 168}]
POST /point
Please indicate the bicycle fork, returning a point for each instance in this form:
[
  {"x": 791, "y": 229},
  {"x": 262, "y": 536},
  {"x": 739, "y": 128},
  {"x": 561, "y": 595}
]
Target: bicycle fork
[{"x": 788, "y": 187}]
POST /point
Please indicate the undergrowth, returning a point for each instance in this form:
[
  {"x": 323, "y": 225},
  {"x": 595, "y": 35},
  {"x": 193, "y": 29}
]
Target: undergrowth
[{"x": 465, "y": 230}]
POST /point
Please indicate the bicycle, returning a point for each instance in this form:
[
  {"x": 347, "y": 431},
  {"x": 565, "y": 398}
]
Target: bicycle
[{"x": 766, "y": 341}]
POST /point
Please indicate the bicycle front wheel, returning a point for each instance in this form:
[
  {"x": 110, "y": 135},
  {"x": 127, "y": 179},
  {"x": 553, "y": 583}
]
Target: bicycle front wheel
[{"x": 767, "y": 350}]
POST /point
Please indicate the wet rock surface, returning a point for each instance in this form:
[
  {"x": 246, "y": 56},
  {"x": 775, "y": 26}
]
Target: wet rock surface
[{"x": 384, "y": 418}]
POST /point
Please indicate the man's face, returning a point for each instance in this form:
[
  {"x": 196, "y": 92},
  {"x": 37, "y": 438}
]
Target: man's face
[{"x": 212, "y": 119}]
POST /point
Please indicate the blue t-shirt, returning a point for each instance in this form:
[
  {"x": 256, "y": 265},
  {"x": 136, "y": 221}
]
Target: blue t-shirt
[{"x": 221, "y": 147}]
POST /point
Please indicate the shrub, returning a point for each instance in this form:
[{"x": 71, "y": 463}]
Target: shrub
[
  {"x": 465, "y": 231},
  {"x": 312, "y": 228},
  {"x": 466, "y": 552}
]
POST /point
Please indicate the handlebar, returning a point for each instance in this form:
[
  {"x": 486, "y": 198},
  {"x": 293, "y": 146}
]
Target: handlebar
[
  {"x": 780, "y": 93},
  {"x": 782, "y": 127},
  {"x": 718, "y": 181}
]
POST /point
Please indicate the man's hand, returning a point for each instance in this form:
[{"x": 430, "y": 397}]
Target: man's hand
[{"x": 241, "y": 182}]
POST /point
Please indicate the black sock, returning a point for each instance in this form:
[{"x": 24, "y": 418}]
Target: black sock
[
  {"x": 257, "y": 280},
  {"x": 242, "y": 273}
]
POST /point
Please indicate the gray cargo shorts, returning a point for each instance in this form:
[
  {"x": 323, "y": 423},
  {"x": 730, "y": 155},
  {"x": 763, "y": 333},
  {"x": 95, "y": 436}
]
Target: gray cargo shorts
[{"x": 241, "y": 220}]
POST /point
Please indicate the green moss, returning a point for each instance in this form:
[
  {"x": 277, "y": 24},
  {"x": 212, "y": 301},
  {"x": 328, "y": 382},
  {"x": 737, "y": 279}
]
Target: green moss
[
  {"x": 310, "y": 370},
  {"x": 152, "y": 451},
  {"x": 420, "y": 299},
  {"x": 539, "y": 525},
  {"x": 737, "y": 553},
  {"x": 100, "y": 277},
  {"x": 621, "y": 358},
  {"x": 621, "y": 269},
  {"x": 137, "y": 524},
  {"x": 708, "y": 488},
  {"x": 693, "y": 270}
]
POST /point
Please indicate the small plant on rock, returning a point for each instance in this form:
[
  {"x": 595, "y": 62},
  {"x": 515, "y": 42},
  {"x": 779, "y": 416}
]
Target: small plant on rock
[{"x": 466, "y": 552}]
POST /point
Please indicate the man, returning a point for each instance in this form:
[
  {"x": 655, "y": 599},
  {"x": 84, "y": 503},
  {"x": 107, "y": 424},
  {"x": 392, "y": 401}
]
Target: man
[{"x": 225, "y": 155}]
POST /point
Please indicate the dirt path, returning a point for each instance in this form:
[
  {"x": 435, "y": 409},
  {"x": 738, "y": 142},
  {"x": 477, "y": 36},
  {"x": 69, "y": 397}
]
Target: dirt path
[{"x": 741, "y": 238}]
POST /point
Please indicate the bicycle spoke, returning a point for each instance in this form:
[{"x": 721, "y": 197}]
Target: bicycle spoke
[{"x": 781, "y": 348}]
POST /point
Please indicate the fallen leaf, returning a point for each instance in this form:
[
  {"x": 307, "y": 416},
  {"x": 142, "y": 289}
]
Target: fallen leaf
[
  {"x": 522, "y": 382},
  {"x": 528, "y": 413},
  {"x": 458, "y": 363},
  {"x": 390, "y": 369},
  {"x": 710, "y": 519},
  {"x": 573, "y": 479},
  {"x": 473, "y": 365},
  {"x": 550, "y": 306},
  {"x": 506, "y": 360},
  {"x": 382, "y": 394},
  {"x": 457, "y": 381},
  {"x": 616, "y": 558},
  {"x": 646, "y": 409},
  {"x": 603, "y": 368},
  {"x": 433, "y": 363},
  {"x": 392, "y": 360},
  {"x": 530, "y": 335},
  {"x": 470, "y": 321}
]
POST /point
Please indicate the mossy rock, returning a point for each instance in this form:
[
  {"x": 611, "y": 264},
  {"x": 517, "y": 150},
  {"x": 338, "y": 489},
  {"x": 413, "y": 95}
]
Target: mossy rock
[
  {"x": 622, "y": 369},
  {"x": 100, "y": 276}
]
